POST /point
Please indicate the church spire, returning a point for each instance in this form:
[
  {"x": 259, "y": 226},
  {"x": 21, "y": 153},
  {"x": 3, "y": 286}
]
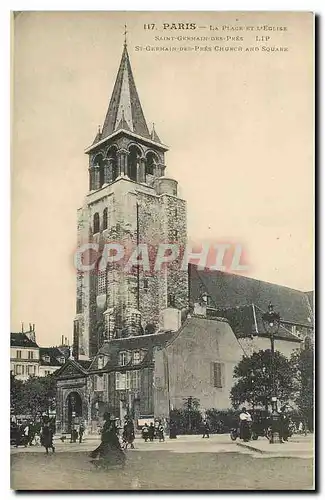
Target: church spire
[{"x": 125, "y": 106}]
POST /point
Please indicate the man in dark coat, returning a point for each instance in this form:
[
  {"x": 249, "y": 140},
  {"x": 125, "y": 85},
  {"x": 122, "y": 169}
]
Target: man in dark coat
[
  {"x": 206, "y": 429},
  {"x": 151, "y": 432},
  {"x": 81, "y": 432}
]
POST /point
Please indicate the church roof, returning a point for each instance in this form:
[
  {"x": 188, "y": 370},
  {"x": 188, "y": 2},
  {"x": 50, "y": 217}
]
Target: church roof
[
  {"x": 231, "y": 290},
  {"x": 125, "y": 107},
  {"x": 21, "y": 340}
]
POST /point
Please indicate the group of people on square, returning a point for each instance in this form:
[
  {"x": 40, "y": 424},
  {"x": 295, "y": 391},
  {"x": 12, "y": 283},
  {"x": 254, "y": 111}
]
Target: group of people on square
[
  {"x": 153, "y": 431},
  {"x": 33, "y": 433},
  {"x": 277, "y": 422}
]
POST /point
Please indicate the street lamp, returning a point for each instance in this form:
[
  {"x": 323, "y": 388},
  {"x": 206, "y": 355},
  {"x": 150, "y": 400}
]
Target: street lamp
[{"x": 271, "y": 324}]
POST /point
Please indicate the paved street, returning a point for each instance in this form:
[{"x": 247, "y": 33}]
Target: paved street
[{"x": 189, "y": 462}]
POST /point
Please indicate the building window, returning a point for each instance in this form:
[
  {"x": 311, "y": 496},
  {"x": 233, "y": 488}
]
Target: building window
[
  {"x": 136, "y": 357},
  {"x": 18, "y": 370},
  {"x": 120, "y": 381},
  {"x": 61, "y": 360},
  {"x": 18, "y": 354},
  {"x": 101, "y": 283},
  {"x": 145, "y": 284},
  {"x": 217, "y": 375},
  {"x": 47, "y": 372},
  {"x": 171, "y": 300},
  {"x": 46, "y": 359},
  {"x": 98, "y": 383},
  {"x": 175, "y": 235},
  {"x": 123, "y": 358},
  {"x": 23, "y": 370},
  {"x": 136, "y": 379},
  {"x": 30, "y": 355},
  {"x": 100, "y": 362},
  {"x": 96, "y": 223},
  {"x": 128, "y": 380},
  {"x": 105, "y": 218},
  {"x": 79, "y": 305},
  {"x": 34, "y": 370}
]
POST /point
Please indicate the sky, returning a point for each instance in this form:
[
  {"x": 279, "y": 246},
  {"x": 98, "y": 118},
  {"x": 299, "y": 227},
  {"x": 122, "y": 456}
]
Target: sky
[{"x": 239, "y": 127}]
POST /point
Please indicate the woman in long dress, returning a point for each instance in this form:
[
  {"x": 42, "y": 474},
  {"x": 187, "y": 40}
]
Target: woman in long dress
[
  {"x": 109, "y": 452},
  {"x": 47, "y": 437}
]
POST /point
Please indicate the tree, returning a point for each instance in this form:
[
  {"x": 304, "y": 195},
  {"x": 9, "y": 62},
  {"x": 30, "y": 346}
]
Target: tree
[
  {"x": 253, "y": 377},
  {"x": 38, "y": 395},
  {"x": 187, "y": 419},
  {"x": 303, "y": 366},
  {"x": 16, "y": 396}
]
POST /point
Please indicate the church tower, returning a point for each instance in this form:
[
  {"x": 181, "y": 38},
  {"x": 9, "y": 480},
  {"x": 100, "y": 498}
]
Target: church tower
[{"x": 130, "y": 202}]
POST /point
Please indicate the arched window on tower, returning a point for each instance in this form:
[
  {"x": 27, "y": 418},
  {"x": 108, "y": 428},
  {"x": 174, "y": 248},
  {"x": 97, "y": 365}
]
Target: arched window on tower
[
  {"x": 105, "y": 218},
  {"x": 96, "y": 223},
  {"x": 112, "y": 163},
  {"x": 151, "y": 161},
  {"x": 100, "y": 164},
  {"x": 133, "y": 161}
]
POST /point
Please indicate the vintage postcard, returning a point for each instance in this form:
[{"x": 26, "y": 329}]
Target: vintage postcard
[{"x": 162, "y": 320}]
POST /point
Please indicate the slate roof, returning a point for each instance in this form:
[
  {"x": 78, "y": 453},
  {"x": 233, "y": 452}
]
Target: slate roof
[
  {"x": 125, "y": 101},
  {"x": 311, "y": 300},
  {"x": 247, "y": 321},
  {"x": 230, "y": 291},
  {"x": 112, "y": 348},
  {"x": 21, "y": 340},
  {"x": 85, "y": 364},
  {"x": 54, "y": 353}
]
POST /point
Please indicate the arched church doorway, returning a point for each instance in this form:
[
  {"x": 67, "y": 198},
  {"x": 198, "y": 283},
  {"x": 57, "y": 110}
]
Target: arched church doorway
[{"x": 74, "y": 403}]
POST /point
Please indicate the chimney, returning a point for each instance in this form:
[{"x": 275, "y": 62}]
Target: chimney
[
  {"x": 31, "y": 333},
  {"x": 200, "y": 309},
  {"x": 22, "y": 328},
  {"x": 171, "y": 319},
  {"x": 62, "y": 341}
]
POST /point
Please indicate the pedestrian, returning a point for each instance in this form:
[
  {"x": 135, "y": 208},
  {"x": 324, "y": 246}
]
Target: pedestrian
[
  {"x": 245, "y": 420},
  {"x": 81, "y": 432},
  {"x": 151, "y": 432},
  {"x": 109, "y": 451},
  {"x": 160, "y": 431},
  {"x": 26, "y": 434},
  {"x": 31, "y": 434},
  {"x": 172, "y": 430},
  {"x": 128, "y": 434},
  {"x": 74, "y": 435},
  {"x": 284, "y": 425},
  {"x": 47, "y": 437},
  {"x": 206, "y": 429},
  {"x": 145, "y": 432}
]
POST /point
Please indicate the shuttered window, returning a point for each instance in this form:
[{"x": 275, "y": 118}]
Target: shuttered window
[{"x": 218, "y": 375}]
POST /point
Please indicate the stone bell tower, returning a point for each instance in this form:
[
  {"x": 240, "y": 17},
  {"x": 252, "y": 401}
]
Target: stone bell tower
[{"x": 130, "y": 202}]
